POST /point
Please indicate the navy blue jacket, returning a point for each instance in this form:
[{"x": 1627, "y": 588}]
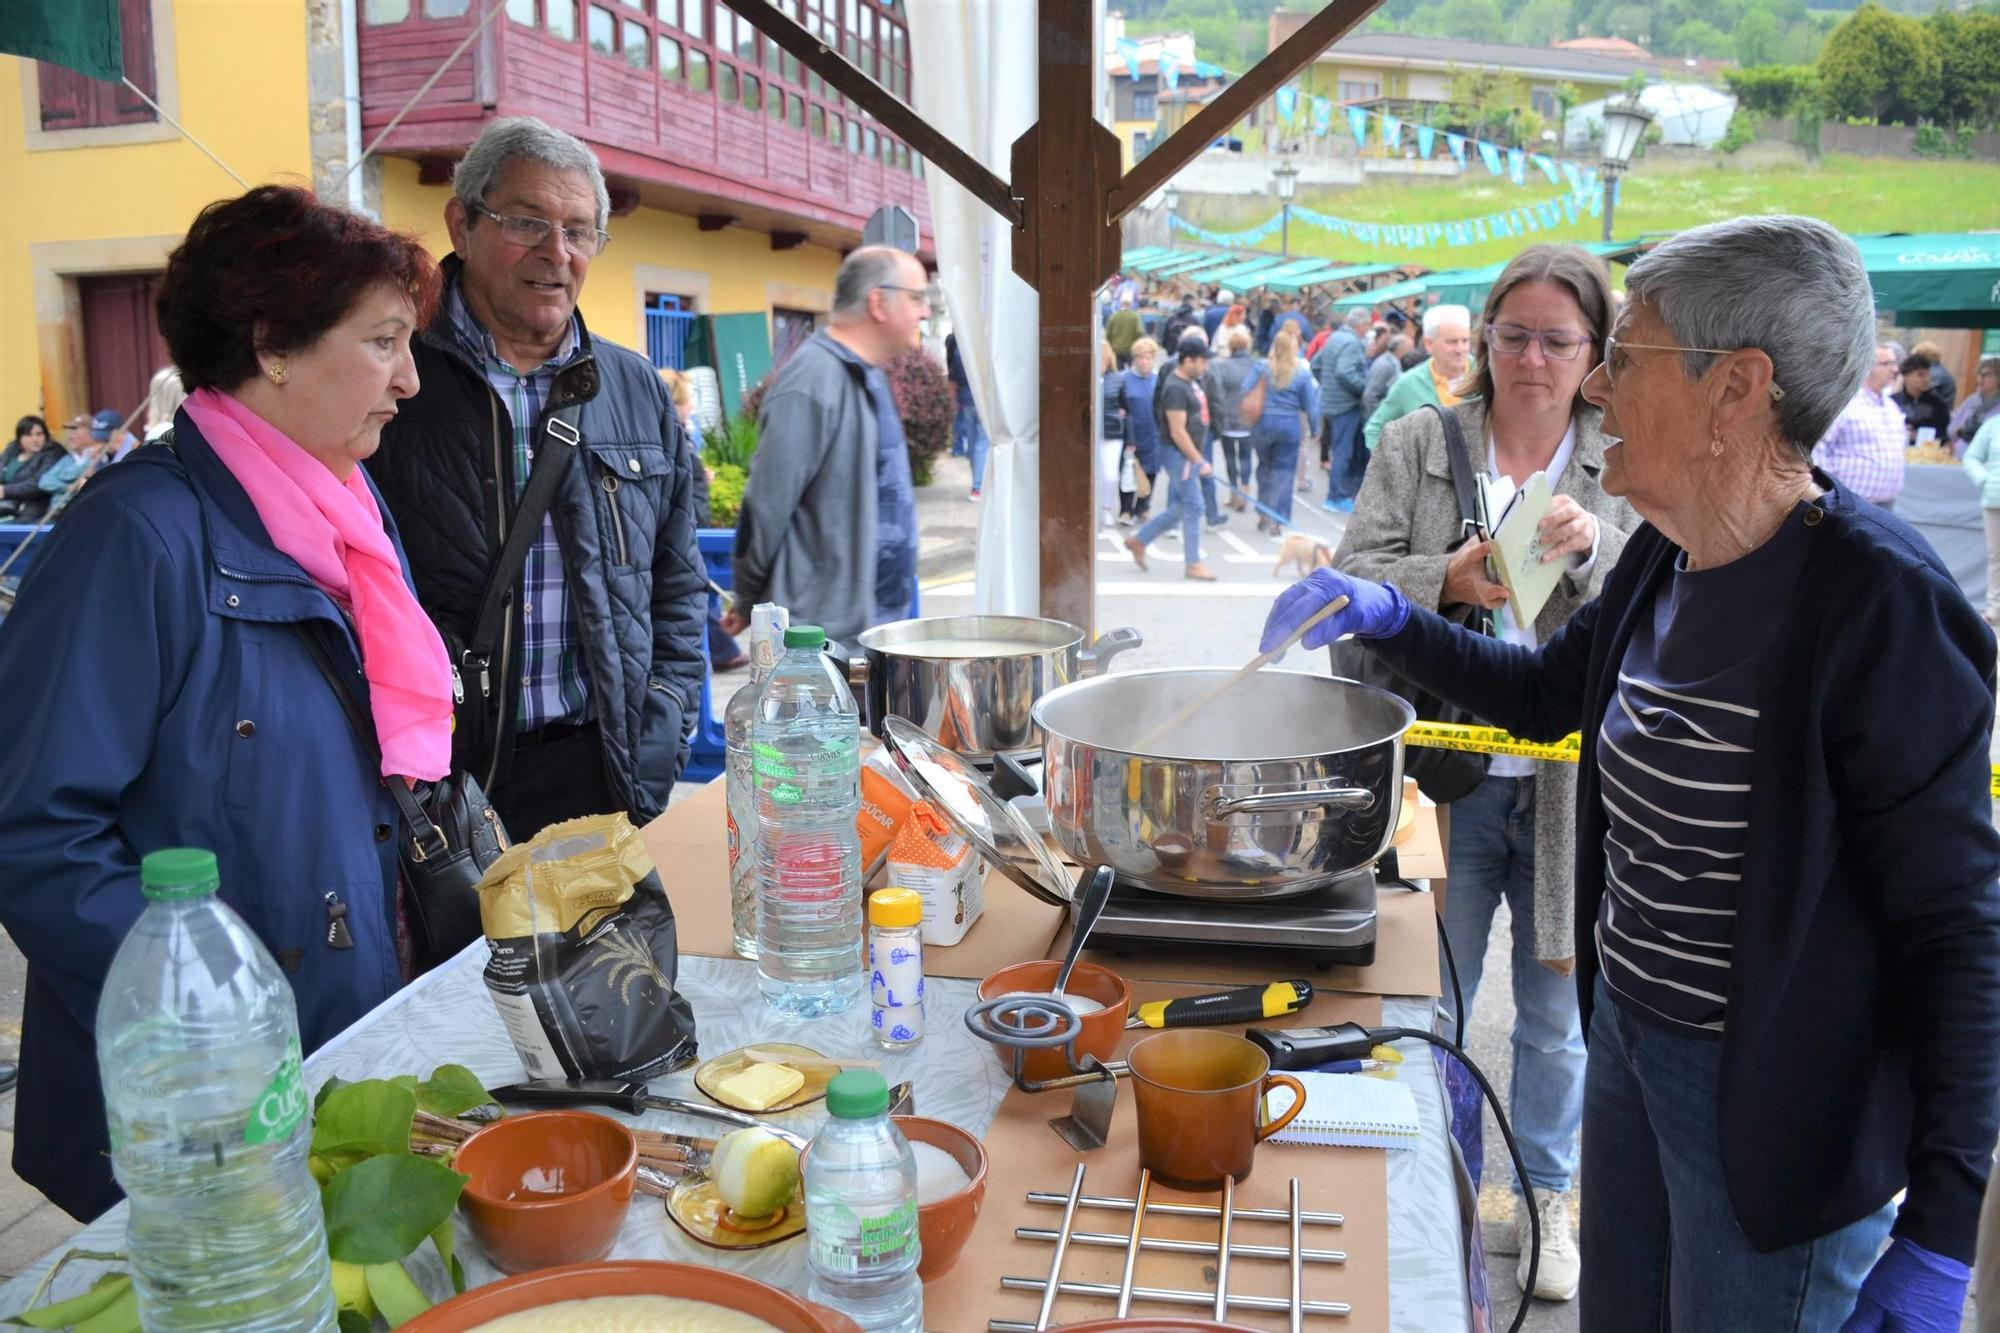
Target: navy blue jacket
[
  {"x": 1862, "y": 1052},
  {"x": 156, "y": 692}
]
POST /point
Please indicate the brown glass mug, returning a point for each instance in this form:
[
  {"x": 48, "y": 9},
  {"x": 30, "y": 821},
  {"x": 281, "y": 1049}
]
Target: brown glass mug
[{"x": 1198, "y": 1094}]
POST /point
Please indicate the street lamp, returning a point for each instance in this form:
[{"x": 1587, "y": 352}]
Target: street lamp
[
  {"x": 1624, "y": 126},
  {"x": 1286, "y": 177}
]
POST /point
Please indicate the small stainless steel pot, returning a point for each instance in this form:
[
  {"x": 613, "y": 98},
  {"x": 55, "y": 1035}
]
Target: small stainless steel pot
[
  {"x": 977, "y": 705},
  {"x": 1283, "y": 785}
]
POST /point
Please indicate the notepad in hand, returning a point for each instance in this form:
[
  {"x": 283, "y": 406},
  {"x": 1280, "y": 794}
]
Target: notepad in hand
[
  {"x": 1517, "y": 551},
  {"x": 1350, "y": 1111}
]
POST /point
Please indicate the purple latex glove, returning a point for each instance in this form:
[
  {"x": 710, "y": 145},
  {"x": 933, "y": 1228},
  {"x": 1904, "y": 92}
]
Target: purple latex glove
[
  {"x": 1373, "y": 610},
  {"x": 1910, "y": 1290}
]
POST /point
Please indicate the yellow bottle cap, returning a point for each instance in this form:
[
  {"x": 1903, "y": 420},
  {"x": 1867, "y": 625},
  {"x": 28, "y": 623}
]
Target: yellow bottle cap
[{"x": 896, "y": 907}]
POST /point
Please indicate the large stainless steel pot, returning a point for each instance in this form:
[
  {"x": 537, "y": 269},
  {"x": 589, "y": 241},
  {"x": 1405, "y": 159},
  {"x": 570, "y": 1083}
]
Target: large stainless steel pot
[
  {"x": 1285, "y": 784},
  {"x": 976, "y": 704}
]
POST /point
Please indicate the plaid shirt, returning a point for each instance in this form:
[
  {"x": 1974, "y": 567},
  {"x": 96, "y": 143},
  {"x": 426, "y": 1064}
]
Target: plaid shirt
[
  {"x": 1864, "y": 450},
  {"x": 554, "y": 687}
]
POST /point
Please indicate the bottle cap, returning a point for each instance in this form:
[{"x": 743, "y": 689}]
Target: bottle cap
[
  {"x": 896, "y": 907},
  {"x": 857, "y": 1094},
  {"x": 805, "y": 636},
  {"x": 178, "y": 873}
]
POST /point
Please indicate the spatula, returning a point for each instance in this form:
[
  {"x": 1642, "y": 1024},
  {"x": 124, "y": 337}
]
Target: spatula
[{"x": 1249, "y": 669}]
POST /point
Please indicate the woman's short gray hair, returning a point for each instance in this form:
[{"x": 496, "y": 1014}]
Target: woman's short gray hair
[
  {"x": 512, "y": 137},
  {"x": 1792, "y": 287}
]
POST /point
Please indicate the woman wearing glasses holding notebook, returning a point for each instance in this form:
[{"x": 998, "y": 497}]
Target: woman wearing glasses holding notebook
[
  {"x": 1788, "y": 921},
  {"x": 1512, "y": 837}
]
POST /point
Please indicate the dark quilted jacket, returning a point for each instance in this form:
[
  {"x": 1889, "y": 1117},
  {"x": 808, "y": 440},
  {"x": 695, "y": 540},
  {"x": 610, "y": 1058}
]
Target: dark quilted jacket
[{"x": 624, "y": 517}]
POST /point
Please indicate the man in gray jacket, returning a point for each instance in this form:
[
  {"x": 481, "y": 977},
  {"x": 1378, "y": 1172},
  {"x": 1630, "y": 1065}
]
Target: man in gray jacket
[
  {"x": 828, "y": 526},
  {"x": 1342, "y": 370},
  {"x": 1382, "y": 373}
]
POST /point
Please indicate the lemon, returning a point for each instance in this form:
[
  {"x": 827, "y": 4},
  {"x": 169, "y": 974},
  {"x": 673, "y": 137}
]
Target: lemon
[
  {"x": 755, "y": 1171},
  {"x": 350, "y": 1289}
]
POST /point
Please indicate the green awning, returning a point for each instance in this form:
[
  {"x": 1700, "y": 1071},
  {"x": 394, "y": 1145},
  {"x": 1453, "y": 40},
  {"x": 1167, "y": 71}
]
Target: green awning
[
  {"x": 1466, "y": 287},
  {"x": 1944, "y": 279},
  {"x": 1240, "y": 270},
  {"x": 1131, "y": 259},
  {"x": 1324, "y": 273},
  {"x": 1395, "y": 291},
  {"x": 1160, "y": 258},
  {"x": 1186, "y": 264}
]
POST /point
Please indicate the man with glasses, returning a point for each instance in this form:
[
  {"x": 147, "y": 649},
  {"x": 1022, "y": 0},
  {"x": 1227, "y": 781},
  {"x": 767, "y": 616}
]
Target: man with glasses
[
  {"x": 1864, "y": 450},
  {"x": 578, "y": 696},
  {"x": 828, "y": 525}
]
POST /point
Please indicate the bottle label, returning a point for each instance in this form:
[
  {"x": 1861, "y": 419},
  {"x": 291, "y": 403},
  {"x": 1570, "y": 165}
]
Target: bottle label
[
  {"x": 282, "y": 1104},
  {"x": 845, "y": 1242}
]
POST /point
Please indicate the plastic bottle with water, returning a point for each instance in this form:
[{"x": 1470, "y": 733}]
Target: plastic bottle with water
[
  {"x": 861, "y": 1210},
  {"x": 198, "y": 1049},
  {"x": 767, "y": 628},
  {"x": 805, "y": 747}
]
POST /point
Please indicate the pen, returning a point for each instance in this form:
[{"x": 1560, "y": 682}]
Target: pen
[{"x": 1348, "y": 1067}]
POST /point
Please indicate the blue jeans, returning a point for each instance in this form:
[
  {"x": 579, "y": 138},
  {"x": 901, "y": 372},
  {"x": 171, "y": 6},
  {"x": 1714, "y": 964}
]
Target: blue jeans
[
  {"x": 1183, "y": 507},
  {"x": 1277, "y": 463},
  {"x": 1208, "y": 502},
  {"x": 1661, "y": 1247},
  {"x": 969, "y": 439},
  {"x": 1348, "y": 453},
  {"x": 1493, "y": 857}
]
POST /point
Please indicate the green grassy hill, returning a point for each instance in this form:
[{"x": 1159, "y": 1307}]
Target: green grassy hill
[{"x": 1853, "y": 193}]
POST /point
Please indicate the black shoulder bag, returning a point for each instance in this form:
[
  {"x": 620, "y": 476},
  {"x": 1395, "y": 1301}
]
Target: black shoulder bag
[{"x": 1443, "y": 775}]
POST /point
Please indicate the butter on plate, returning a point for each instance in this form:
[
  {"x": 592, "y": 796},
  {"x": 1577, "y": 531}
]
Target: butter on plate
[{"x": 759, "y": 1087}]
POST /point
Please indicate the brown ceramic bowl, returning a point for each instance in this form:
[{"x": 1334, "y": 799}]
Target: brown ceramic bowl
[
  {"x": 629, "y": 1277},
  {"x": 549, "y": 1188},
  {"x": 1101, "y": 1030},
  {"x": 946, "y": 1225}
]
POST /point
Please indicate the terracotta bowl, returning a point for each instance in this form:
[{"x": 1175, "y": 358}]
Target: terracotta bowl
[
  {"x": 629, "y": 1277},
  {"x": 1101, "y": 1030},
  {"x": 549, "y": 1188},
  {"x": 945, "y": 1226}
]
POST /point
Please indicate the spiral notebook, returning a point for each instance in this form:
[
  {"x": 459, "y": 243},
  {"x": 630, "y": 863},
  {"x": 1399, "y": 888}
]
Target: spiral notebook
[{"x": 1349, "y": 1111}]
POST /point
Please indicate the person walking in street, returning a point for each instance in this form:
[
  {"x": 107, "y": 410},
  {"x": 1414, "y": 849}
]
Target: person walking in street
[
  {"x": 1981, "y": 406},
  {"x": 1383, "y": 372},
  {"x": 1182, "y": 407},
  {"x": 1512, "y": 837},
  {"x": 1236, "y": 404},
  {"x": 1863, "y": 449},
  {"x": 1136, "y": 385},
  {"x": 1342, "y": 370},
  {"x": 1218, "y": 310},
  {"x": 1123, "y": 329},
  {"x": 580, "y": 686},
  {"x": 828, "y": 526},
  {"x": 1448, "y": 335},
  {"x": 1787, "y": 875},
  {"x": 969, "y": 437},
  {"x": 1289, "y": 409}
]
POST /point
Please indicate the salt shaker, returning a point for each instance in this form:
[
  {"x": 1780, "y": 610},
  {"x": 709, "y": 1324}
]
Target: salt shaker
[{"x": 896, "y": 967}]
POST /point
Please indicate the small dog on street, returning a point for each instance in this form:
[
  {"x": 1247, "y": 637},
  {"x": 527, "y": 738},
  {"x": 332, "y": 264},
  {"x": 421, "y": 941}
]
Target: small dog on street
[{"x": 1305, "y": 553}]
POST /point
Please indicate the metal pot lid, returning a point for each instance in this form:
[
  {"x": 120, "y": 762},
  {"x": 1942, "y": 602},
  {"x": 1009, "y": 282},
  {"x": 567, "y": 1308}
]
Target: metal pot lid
[{"x": 961, "y": 794}]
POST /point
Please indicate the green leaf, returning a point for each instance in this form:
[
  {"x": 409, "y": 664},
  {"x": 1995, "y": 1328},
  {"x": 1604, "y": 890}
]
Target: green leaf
[
  {"x": 369, "y": 1117},
  {"x": 353, "y": 1321},
  {"x": 452, "y": 1090},
  {"x": 382, "y": 1209},
  {"x": 407, "y": 1082},
  {"x": 326, "y": 1090},
  {"x": 396, "y": 1293},
  {"x": 442, "y": 1241},
  {"x": 104, "y": 1293}
]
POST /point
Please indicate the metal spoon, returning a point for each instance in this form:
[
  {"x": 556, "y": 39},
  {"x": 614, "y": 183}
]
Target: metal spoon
[{"x": 1089, "y": 907}]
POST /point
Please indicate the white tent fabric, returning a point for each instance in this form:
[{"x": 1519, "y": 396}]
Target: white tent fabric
[
  {"x": 1689, "y": 114},
  {"x": 973, "y": 65}
]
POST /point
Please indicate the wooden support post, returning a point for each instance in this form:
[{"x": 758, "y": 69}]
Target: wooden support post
[{"x": 1064, "y": 168}]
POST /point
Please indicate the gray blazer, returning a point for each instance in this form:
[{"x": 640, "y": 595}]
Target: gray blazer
[{"x": 1405, "y": 517}]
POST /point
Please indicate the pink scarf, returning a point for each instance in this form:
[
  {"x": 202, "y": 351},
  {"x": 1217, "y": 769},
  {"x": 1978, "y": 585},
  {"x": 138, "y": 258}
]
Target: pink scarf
[{"x": 334, "y": 530}]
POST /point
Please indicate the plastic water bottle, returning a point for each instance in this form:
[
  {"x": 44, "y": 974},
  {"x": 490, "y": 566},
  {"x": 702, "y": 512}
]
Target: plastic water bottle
[
  {"x": 767, "y": 627},
  {"x": 861, "y": 1210},
  {"x": 198, "y": 1048},
  {"x": 805, "y": 746}
]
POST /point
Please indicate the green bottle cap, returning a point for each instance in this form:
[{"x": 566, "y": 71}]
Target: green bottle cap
[
  {"x": 857, "y": 1095},
  {"x": 805, "y": 636},
  {"x": 175, "y": 873}
]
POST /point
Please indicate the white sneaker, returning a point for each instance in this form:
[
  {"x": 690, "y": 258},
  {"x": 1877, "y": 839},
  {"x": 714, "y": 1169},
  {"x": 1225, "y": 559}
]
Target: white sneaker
[{"x": 1561, "y": 1266}]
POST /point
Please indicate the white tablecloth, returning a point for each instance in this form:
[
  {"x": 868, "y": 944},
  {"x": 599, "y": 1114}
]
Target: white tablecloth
[{"x": 446, "y": 1017}]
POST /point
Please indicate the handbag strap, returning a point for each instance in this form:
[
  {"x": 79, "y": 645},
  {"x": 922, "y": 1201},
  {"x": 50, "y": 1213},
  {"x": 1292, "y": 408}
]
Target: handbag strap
[
  {"x": 560, "y": 438},
  {"x": 426, "y": 838},
  {"x": 1464, "y": 482}
]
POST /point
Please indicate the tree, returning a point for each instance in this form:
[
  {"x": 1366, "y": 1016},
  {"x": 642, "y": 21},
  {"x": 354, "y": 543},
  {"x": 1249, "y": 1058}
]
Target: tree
[
  {"x": 1541, "y": 22},
  {"x": 1697, "y": 37},
  {"x": 1474, "y": 20},
  {"x": 1880, "y": 66},
  {"x": 1774, "y": 90},
  {"x": 1969, "y": 55},
  {"x": 1757, "y": 38}
]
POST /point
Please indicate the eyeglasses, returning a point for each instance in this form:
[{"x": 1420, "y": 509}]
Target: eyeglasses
[
  {"x": 921, "y": 293},
  {"x": 1612, "y": 346},
  {"x": 1557, "y": 344},
  {"x": 531, "y": 232}
]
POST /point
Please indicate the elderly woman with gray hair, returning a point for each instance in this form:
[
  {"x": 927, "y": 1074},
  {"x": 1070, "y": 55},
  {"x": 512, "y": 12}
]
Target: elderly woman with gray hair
[{"x": 1788, "y": 926}]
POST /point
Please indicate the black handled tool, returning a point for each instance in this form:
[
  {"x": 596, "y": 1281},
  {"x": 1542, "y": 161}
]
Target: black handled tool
[
  {"x": 1306, "y": 1048},
  {"x": 1245, "y": 1004}
]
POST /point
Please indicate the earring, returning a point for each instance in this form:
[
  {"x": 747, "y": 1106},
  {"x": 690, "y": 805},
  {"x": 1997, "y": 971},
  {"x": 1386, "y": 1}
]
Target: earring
[
  {"x": 1715, "y": 447},
  {"x": 278, "y": 371}
]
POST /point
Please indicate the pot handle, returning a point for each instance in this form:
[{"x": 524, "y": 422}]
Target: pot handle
[
  {"x": 1096, "y": 659},
  {"x": 853, "y": 670},
  {"x": 1216, "y": 806}
]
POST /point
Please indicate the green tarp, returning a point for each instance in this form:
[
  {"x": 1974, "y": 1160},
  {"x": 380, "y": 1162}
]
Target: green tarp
[
  {"x": 1939, "y": 279},
  {"x": 1325, "y": 272},
  {"x": 77, "y": 34},
  {"x": 1240, "y": 272}
]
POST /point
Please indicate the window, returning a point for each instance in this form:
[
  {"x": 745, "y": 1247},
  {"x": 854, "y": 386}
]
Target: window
[
  {"x": 725, "y": 83},
  {"x": 746, "y": 39},
  {"x": 670, "y": 58},
  {"x": 753, "y": 93},
  {"x": 816, "y": 122},
  {"x": 384, "y": 11},
  {"x": 603, "y": 32},
  {"x": 635, "y": 4},
  {"x": 669, "y": 11},
  {"x": 638, "y": 43},
  {"x": 697, "y": 68},
  {"x": 1145, "y": 106},
  {"x": 790, "y": 69},
  {"x": 868, "y": 143},
  {"x": 853, "y": 136},
  {"x": 692, "y": 14},
  {"x": 1545, "y": 104},
  {"x": 795, "y": 111},
  {"x": 446, "y": 9},
  {"x": 560, "y": 18},
  {"x": 833, "y": 127},
  {"x": 1355, "y": 91},
  {"x": 522, "y": 12},
  {"x": 70, "y": 101}
]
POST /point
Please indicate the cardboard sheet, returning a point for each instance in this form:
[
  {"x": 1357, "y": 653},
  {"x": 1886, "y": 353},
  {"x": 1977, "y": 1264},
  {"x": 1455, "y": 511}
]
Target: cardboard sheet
[
  {"x": 1024, "y": 1154},
  {"x": 689, "y": 842}
]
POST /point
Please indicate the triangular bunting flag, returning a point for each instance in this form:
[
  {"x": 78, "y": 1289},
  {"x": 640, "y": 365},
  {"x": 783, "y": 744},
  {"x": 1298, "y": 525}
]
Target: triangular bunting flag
[
  {"x": 1569, "y": 208},
  {"x": 1517, "y": 165},
  {"x": 1204, "y": 70},
  {"x": 1170, "y": 69},
  {"x": 1478, "y": 230},
  {"x": 1392, "y": 133},
  {"x": 1357, "y": 121},
  {"x": 1574, "y": 177},
  {"x": 1130, "y": 50},
  {"x": 1288, "y": 102},
  {"x": 1597, "y": 203},
  {"x": 1426, "y": 138},
  {"x": 1490, "y": 155},
  {"x": 1548, "y": 166},
  {"x": 1322, "y": 117},
  {"x": 1456, "y": 143}
]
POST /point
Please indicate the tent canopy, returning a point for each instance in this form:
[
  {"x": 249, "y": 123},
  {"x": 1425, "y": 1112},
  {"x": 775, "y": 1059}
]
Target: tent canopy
[{"x": 1941, "y": 279}]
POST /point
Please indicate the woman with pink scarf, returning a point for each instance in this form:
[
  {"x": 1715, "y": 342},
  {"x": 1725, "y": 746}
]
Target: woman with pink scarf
[{"x": 157, "y": 674}]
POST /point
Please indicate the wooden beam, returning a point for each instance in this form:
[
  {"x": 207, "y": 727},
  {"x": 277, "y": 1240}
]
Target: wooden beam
[
  {"x": 1066, "y": 165},
  {"x": 787, "y": 240},
  {"x": 1188, "y": 142},
  {"x": 714, "y": 221},
  {"x": 624, "y": 198},
  {"x": 434, "y": 170},
  {"x": 882, "y": 104}
]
